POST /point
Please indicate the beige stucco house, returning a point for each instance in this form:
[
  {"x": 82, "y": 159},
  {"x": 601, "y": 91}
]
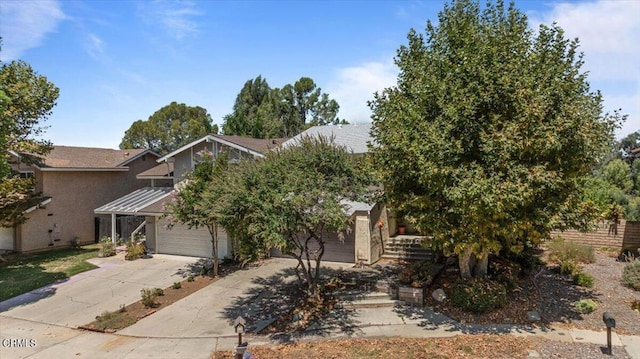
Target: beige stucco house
[{"x": 74, "y": 181}]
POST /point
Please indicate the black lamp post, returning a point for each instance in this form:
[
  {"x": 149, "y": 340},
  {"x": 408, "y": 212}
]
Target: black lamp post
[{"x": 610, "y": 322}]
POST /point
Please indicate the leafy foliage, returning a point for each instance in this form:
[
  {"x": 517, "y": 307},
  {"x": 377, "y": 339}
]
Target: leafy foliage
[
  {"x": 135, "y": 250},
  {"x": 485, "y": 136},
  {"x": 583, "y": 279},
  {"x": 293, "y": 199},
  {"x": 148, "y": 297},
  {"x": 585, "y": 306},
  {"x": 168, "y": 128},
  {"x": 618, "y": 173},
  {"x": 562, "y": 251},
  {"x": 26, "y": 100},
  {"x": 478, "y": 295},
  {"x": 107, "y": 249},
  {"x": 631, "y": 274},
  {"x": 198, "y": 202},
  {"x": 262, "y": 112}
]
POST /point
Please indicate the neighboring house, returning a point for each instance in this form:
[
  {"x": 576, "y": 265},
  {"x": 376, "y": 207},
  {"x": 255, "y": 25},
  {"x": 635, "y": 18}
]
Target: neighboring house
[
  {"x": 364, "y": 242},
  {"x": 74, "y": 181},
  {"x": 149, "y": 202}
]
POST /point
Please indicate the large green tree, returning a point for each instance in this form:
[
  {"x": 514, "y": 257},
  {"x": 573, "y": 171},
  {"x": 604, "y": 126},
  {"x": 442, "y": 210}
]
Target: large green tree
[
  {"x": 264, "y": 112},
  {"x": 293, "y": 198},
  {"x": 488, "y": 131},
  {"x": 26, "y": 101},
  {"x": 169, "y": 128}
]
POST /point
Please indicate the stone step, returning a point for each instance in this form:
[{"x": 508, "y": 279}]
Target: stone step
[
  {"x": 378, "y": 300},
  {"x": 359, "y": 295},
  {"x": 405, "y": 255}
]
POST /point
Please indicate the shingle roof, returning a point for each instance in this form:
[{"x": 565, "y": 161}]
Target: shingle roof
[
  {"x": 88, "y": 157},
  {"x": 354, "y": 137},
  {"x": 160, "y": 171},
  {"x": 257, "y": 144}
]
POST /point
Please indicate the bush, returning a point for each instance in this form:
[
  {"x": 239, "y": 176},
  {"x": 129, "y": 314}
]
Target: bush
[
  {"x": 561, "y": 251},
  {"x": 569, "y": 267},
  {"x": 176, "y": 285},
  {"x": 585, "y": 306},
  {"x": 148, "y": 297},
  {"x": 478, "y": 295},
  {"x": 107, "y": 249},
  {"x": 135, "y": 250},
  {"x": 190, "y": 278},
  {"x": 158, "y": 292},
  {"x": 416, "y": 274},
  {"x": 583, "y": 280},
  {"x": 113, "y": 320},
  {"x": 631, "y": 274}
]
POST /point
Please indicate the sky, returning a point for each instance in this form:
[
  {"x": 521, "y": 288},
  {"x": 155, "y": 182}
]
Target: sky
[{"x": 116, "y": 62}]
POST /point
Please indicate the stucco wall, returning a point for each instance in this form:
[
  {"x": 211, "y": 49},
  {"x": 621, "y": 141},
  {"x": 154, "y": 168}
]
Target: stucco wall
[{"x": 74, "y": 196}]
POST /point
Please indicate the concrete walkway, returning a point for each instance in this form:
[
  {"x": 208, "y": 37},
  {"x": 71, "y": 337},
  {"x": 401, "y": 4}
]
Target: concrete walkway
[{"x": 200, "y": 324}]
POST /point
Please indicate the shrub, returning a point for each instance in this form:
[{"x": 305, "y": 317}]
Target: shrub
[
  {"x": 585, "y": 306},
  {"x": 113, "y": 320},
  {"x": 176, "y": 285},
  {"x": 583, "y": 280},
  {"x": 148, "y": 297},
  {"x": 158, "y": 292},
  {"x": 569, "y": 267},
  {"x": 478, "y": 295},
  {"x": 190, "y": 278},
  {"x": 416, "y": 274},
  {"x": 107, "y": 249},
  {"x": 561, "y": 251},
  {"x": 631, "y": 274},
  {"x": 135, "y": 250}
]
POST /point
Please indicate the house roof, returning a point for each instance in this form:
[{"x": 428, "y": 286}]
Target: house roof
[
  {"x": 161, "y": 171},
  {"x": 254, "y": 146},
  {"x": 257, "y": 144},
  {"x": 88, "y": 158},
  {"x": 135, "y": 202},
  {"x": 353, "y": 137}
]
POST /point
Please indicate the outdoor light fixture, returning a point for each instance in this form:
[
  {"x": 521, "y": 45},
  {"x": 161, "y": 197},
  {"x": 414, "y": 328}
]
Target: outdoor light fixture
[
  {"x": 239, "y": 327},
  {"x": 610, "y": 322}
]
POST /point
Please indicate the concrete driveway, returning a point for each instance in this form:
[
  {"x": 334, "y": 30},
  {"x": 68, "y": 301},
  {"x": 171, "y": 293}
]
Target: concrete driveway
[{"x": 80, "y": 299}]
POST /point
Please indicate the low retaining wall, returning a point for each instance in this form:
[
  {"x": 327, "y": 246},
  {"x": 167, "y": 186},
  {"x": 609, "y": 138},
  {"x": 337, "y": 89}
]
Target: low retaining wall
[{"x": 624, "y": 235}]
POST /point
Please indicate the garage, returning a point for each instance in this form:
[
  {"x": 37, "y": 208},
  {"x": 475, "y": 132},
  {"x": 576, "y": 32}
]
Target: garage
[
  {"x": 6, "y": 239},
  {"x": 192, "y": 242},
  {"x": 334, "y": 249}
]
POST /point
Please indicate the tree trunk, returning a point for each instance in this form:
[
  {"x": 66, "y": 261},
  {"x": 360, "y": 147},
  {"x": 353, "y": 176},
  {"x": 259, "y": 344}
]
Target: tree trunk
[
  {"x": 482, "y": 265},
  {"x": 464, "y": 262},
  {"x": 213, "y": 231}
]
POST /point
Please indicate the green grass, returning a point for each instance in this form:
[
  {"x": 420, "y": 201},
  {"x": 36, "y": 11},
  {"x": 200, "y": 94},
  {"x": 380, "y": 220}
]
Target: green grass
[{"x": 23, "y": 273}]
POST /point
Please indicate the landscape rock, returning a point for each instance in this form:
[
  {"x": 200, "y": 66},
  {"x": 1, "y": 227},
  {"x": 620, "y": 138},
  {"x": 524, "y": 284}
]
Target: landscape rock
[
  {"x": 439, "y": 295},
  {"x": 533, "y": 316}
]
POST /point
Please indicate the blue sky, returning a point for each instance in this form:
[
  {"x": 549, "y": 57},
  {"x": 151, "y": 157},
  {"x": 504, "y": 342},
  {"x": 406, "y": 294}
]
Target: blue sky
[{"x": 119, "y": 61}]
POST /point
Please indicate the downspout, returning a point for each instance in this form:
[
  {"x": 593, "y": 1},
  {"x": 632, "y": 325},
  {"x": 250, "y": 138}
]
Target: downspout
[{"x": 113, "y": 229}]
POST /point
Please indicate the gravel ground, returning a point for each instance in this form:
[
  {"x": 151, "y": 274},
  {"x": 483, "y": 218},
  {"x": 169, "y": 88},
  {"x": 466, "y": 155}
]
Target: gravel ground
[
  {"x": 608, "y": 291},
  {"x": 555, "y": 349}
]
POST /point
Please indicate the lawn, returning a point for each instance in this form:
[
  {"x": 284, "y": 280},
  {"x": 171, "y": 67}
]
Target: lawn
[{"x": 23, "y": 273}]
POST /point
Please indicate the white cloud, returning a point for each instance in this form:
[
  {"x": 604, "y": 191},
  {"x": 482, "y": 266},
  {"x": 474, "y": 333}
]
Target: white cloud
[
  {"x": 609, "y": 34},
  {"x": 94, "y": 46},
  {"x": 177, "y": 17},
  {"x": 24, "y": 25},
  {"x": 353, "y": 86}
]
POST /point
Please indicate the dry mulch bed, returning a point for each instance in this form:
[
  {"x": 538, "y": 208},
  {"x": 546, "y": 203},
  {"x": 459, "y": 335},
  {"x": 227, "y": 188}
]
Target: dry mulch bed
[{"x": 552, "y": 294}]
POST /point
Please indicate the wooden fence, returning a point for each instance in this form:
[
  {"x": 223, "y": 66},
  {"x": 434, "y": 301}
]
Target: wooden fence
[{"x": 624, "y": 235}]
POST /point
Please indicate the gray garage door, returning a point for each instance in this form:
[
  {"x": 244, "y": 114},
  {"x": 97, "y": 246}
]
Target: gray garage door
[
  {"x": 334, "y": 249},
  {"x": 193, "y": 242},
  {"x": 6, "y": 239}
]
